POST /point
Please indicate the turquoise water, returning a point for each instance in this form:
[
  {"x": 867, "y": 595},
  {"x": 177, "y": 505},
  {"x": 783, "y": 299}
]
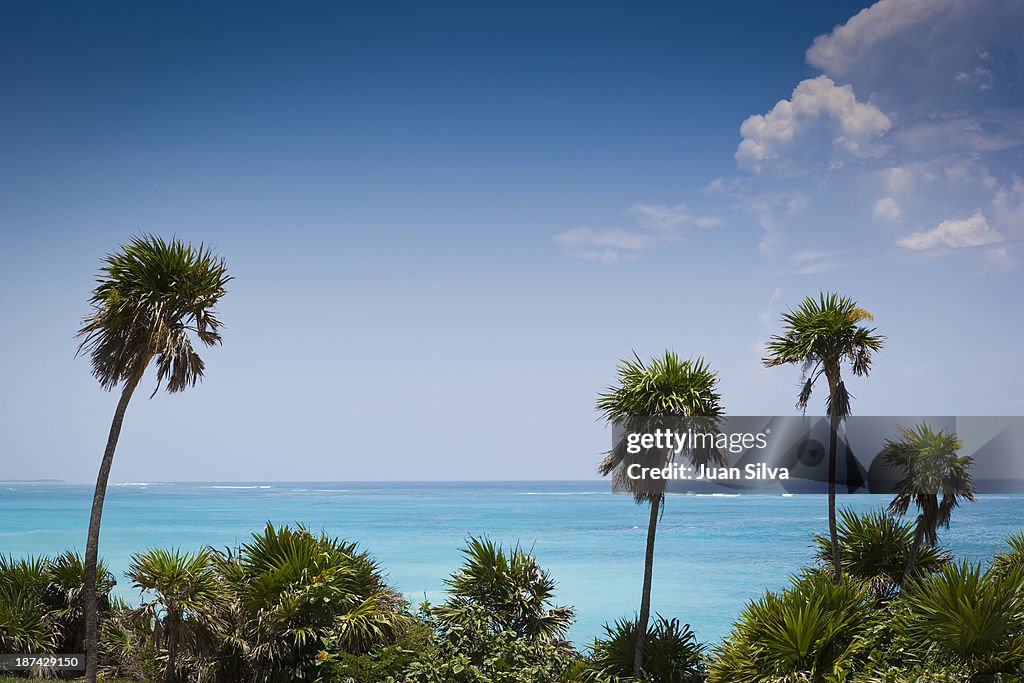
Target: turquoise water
[{"x": 713, "y": 552}]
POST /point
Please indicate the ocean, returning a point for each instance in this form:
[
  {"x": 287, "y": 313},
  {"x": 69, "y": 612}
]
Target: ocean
[{"x": 713, "y": 552}]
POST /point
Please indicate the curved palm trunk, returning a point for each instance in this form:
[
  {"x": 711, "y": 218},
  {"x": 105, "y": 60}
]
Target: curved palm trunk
[
  {"x": 833, "y": 533},
  {"x": 93, "y": 542},
  {"x": 645, "y": 599}
]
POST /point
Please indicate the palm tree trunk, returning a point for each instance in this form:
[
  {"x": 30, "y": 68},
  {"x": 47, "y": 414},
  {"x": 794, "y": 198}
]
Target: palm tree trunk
[
  {"x": 645, "y": 598},
  {"x": 833, "y": 533},
  {"x": 912, "y": 556},
  {"x": 93, "y": 542},
  {"x": 172, "y": 653}
]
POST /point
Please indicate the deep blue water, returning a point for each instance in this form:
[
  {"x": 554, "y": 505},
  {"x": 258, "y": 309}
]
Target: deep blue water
[{"x": 713, "y": 552}]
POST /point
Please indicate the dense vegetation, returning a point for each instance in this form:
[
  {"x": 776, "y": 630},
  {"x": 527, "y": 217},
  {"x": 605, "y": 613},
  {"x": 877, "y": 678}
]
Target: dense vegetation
[{"x": 293, "y": 605}]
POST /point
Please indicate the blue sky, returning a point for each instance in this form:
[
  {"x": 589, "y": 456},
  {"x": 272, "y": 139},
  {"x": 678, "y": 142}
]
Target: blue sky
[{"x": 448, "y": 221}]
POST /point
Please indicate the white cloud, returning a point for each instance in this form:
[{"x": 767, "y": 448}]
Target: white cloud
[
  {"x": 973, "y": 231},
  {"x": 607, "y": 245},
  {"x": 816, "y": 104},
  {"x": 887, "y": 209},
  {"x": 898, "y": 179},
  {"x": 914, "y": 54},
  {"x": 657, "y": 225},
  {"x": 1000, "y": 258},
  {"x": 661, "y": 216},
  {"x": 765, "y": 316},
  {"x": 919, "y": 114}
]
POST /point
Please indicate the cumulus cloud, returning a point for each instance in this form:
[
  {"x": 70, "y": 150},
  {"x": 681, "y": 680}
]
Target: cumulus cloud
[
  {"x": 916, "y": 118},
  {"x": 914, "y": 54},
  {"x": 887, "y": 209},
  {"x": 973, "y": 231},
  {"x": 816, "y": 105}
]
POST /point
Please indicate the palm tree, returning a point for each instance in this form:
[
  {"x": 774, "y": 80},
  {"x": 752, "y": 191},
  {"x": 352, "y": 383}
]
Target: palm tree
[
  {"x": 819, "y": 336},
  {"x": 931, "y": 466},
  {"x": 681, "y": 394},
  {"x": 150, "y": 298},
  {"x": 186, "y": 590}
]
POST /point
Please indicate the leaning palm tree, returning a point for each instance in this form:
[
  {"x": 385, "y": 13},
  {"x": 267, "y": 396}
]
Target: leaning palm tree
[
  {"x": 186, "y": 592},
  {"x": 151, "y": 297},
  {"x": 820, "y": 335},
  {"x": 932, "y": 467},
  {"x": 664, "y": 392}
]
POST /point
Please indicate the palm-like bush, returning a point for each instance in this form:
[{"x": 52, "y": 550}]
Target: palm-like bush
[
  {"x": 671, "y": 653},
  {"x": 513, "y": 590},
  {"x": 874, "y": 548},
  {"x": 151, "y": 298},
  {"x": 292, "y": 590},
  {"x": 820, "y": 336},
  {"x": 935, "y": 479},
  {"x": 1013, "y": 558},
  {"x": 807, "y": 632},
  {"x": 967, "y": 617},
  {"x": 666, "y": 392},
  {"x": 186, "y": 595},
  {"x": 24, "y": 623},
  {"x": 41, "y": 603}
]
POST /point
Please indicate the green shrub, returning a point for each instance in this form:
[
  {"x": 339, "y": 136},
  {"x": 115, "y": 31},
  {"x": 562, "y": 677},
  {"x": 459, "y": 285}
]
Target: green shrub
[
  {"x": 966, "y": 617},
  {"x": 873, "y": 548},
  {"x": 289, "y": 592},
  {"x": 511, "y": 587},
  {"x": 671, "y": 653},
  {"x": 471, "y": 650},
  {"x": 810, "y": 631}
]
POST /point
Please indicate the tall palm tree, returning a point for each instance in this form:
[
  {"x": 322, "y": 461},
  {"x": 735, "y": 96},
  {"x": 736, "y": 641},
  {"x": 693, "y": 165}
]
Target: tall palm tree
[
  {"x": 665, "y": 391},
  {"x": 151, "y": 297},
  {"x": 186, "y": 592},
  {"x": 931, "y": 466},
  {"x": 820, "y": 335}
]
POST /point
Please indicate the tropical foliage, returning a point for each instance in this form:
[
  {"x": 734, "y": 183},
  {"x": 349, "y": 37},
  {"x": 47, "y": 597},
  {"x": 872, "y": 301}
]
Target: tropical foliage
[
  {"x": 41, "y": 603},
  {"x": 292, "y": 593},
  {"x": 184, "y": 610},
  {"x": 809, "y": 631},
  {"x": 292, "y": 605},
  {"x": 511, "y": 588},
  {"x": 967, "y": 617},
  {"x": 498, "y": 623},
  {"x": 874, "y": 548},
  {"x": 671, "y": 653}
]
